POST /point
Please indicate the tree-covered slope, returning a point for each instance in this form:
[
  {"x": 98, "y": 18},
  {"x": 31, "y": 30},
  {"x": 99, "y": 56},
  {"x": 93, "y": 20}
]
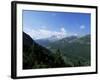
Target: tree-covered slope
[
  {"x": 77, "y": 50},
  {"x": 36, "y": 56}
]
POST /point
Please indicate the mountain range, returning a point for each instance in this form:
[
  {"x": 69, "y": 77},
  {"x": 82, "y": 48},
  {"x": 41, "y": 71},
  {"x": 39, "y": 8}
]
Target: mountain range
[
  {"x": 72, "y": 47},
  {"x": 52, "y": 52},
  {"x": 44, "y": 42}
]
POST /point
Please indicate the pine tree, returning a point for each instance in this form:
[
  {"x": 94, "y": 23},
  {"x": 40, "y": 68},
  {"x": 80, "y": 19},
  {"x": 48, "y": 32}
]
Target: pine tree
[{"x": 58, "y": 58}]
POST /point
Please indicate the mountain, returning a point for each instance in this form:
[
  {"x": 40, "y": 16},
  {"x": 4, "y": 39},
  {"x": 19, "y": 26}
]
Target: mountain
[
  {"x": 85, "y": 39},
  {"x": 45, "y": 41},
  {"x": 67, "y": 40},
  {"x": 74, "y": 48},
  {"x": 27, "y": 40},
  {"x": 54, "y": 38},
  {"x": 67, "y": 52},
  {"x": 37, "y": 56},
  {"x": 62, "y": 42}
]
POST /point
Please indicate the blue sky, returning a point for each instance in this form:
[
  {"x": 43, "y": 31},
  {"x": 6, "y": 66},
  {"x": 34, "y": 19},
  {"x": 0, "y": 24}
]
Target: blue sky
[{"x": 43, "y": 24}]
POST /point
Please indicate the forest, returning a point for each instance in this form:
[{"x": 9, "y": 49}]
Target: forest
[{"x": 59, "y": 54}]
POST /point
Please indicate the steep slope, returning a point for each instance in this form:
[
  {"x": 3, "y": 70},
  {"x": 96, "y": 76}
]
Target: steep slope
[
  {"x": 36, "y": 56},
  {"x": 27, "y": 40}
]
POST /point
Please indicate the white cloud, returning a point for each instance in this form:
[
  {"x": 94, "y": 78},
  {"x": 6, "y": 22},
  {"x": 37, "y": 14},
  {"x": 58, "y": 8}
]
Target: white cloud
[
  {"x": 75, "y": 34},
  {"x": 45, "y": 33},
  {"x": 82, "y": 27},
  {"x": 63, "y": 30}
]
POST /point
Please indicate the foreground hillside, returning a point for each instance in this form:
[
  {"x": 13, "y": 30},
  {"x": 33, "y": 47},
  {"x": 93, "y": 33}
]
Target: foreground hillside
[{"x": 36, "y": 56}]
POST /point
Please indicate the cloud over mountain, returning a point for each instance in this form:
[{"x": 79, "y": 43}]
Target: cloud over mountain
[{"x": 45, "y": 33}]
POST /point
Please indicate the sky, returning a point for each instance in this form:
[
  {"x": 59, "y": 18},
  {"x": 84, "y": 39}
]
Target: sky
[{"x": 45, "y": 24}]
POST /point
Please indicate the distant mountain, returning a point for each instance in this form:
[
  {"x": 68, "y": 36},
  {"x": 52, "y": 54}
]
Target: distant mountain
[
  {"x": 85, "y": 39},
  {"x": 43, "y": 42},
  {"x": 67, "y": 39},
  {"x": 61, "y": 42},
  {"x": 75, "y": 48},
  {"x": 54, "y": 38}
]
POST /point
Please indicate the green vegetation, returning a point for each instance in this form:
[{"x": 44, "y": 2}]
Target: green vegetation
[
  {"x": 37, "y": 56},
  {"x": 77, "y": 51},
  {"x": 60, "y": 53}
]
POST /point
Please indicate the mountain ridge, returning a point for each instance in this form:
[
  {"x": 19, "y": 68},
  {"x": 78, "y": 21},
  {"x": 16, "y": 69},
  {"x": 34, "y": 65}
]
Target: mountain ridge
[
  {"x": 68, "y": 52},
  {"x": 76, "y": 47},
  {"x": 37, "y": 56}
]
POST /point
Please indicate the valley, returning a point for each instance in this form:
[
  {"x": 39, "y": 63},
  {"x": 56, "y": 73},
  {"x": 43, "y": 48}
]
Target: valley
[{"x": 70, "y": 51}]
